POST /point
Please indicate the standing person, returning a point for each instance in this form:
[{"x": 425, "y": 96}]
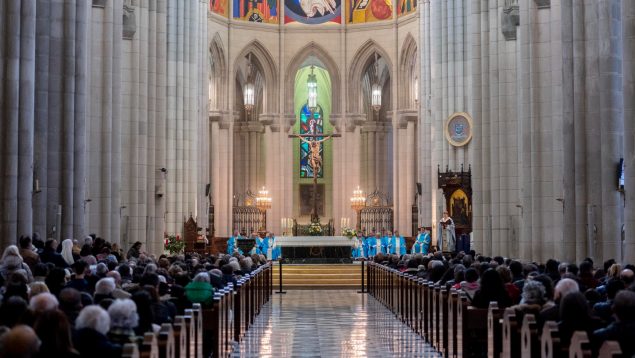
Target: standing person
[
  {"x": 134, "y": 251},
  {"x": 232, "y": 244},
  {"x": 422, "y": 243},
  {"x": 269, "y": 248},
  {"x": 397, "y": 244},
  {"x": 67, "y": 252},
  {"x": 446, "y": 239},
  {"x": 377, "y": 245},
  {"x": 357, "y": 246},
  {"x": 257, "y": 242}
]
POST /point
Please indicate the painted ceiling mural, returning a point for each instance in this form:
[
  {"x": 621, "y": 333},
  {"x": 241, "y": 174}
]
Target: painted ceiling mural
[
  {"x": 265, "y": 11},
  {"x": 313, "y": 11},
  {"x": 363, "y": 11}
]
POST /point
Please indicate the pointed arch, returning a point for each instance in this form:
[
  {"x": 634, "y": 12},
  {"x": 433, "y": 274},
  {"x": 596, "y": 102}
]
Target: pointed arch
[
  {"x": 408, "y": 65},
  {"x": 317, "y": 51},
  {"x": 363, "y": 58},
  {"x": 217, "y": 75},
  {"x": 263, "y": 61}
]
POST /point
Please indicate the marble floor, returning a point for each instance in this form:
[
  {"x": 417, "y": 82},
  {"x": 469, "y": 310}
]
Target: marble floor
[{"x": 329, "y": 324}]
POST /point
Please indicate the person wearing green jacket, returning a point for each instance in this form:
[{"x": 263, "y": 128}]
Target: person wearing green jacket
[{"x": 200, "y": 290}]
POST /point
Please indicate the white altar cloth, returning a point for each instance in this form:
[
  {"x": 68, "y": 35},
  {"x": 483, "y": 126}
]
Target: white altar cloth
[{"x": 313, "y": 241}]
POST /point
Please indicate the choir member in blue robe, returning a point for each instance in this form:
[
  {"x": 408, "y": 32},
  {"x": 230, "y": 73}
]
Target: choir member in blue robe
[
  {"x": 397, "y": 244},
  {"x": 422, "y": 243},
  {"x": 256, "y": 248},
  {"x": 365, "y": 245},
  {"x": 357, "y": 246},
  {"x": 377, "y": 245},
  {"x": 269, "y": 248},
  {"x": 232, "y": 244}
]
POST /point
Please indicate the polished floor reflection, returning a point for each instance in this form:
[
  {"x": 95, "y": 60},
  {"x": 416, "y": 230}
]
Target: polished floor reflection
[{"x": 329, "y": 324}]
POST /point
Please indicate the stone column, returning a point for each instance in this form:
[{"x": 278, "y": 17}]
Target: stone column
[
  {"x": 611, "y": 125},
  {"x": 628, "y": 66}
]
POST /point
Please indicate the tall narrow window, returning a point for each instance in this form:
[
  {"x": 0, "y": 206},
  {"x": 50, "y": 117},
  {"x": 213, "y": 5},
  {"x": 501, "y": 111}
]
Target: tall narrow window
[{"x": 310, "y": 125}]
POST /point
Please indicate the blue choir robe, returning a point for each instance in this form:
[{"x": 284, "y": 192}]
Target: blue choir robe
[
  {"x": 397, "y": 245},
  {"x": 357, "y": 249},
  {"x": 256, "y": 248},
  {"x": 232, "y": 245},
  {"x": 366, "y": 246},
  {"x": 376, "y": 246},
  {"x": 422, "y": 244},
  {"x": 269, "y": 248}
]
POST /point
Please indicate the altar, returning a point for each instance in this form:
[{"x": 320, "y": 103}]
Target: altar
[{"x": 315, "y": 249}]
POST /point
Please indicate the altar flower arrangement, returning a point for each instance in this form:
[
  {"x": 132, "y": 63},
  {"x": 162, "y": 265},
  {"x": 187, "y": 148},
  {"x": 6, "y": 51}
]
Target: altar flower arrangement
[
  {"x": 315, "y": 229},
  {"x": 174, "y": 244},
  {"x": 349, "y": 233}
]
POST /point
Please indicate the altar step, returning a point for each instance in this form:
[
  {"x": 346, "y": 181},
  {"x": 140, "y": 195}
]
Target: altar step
[{"x": 325, "y": 276}]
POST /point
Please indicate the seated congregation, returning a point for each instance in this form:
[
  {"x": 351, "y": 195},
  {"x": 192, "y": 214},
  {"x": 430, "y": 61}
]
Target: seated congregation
[
  {"x": 91, "y": 299},
  {"x": 469, "y": 305}
]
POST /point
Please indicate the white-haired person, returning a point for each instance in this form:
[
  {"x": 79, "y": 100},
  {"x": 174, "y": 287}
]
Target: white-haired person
[
  {"x": 91, "y": 329},
  {"x": 123, "y": 320},
  {"x": 43, "y": 302},
  {"x": 104, "y": 289},
  {"x": 11, "y": 262},
  {"x": 67, "y": 252}
]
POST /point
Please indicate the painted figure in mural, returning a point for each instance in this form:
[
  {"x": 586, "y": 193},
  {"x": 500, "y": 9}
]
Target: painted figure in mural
[
  {"x": 314, "y": 7},
  {"x": 447, "y": 237},
  {"x": 315, "y": 159}
]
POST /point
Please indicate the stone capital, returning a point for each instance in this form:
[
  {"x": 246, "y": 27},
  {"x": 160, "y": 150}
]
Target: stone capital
[
  {"x": 251, "y": 126},
  {"x": 402, "y": 117},
  {"x": 510, "y": 19},
  {"x": 129, "y": 22},
  {"x": 270, "y": 120},
  {"x": 288, "y": 120},
  {"x": 354, "y": 120}
]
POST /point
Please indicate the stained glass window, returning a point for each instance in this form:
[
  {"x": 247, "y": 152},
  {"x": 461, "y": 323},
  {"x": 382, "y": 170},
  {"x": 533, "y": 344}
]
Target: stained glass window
[{"x": 310, "y": 125}]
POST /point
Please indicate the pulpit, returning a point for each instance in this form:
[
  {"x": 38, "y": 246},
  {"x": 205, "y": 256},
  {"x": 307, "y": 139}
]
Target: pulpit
[{"x": 193, "y": 241}]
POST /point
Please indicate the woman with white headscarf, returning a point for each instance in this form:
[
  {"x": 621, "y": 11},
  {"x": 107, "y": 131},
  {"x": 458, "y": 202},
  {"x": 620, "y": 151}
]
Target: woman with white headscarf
[
  {"x": 12, "y": 262},
  {"x": 67, "y": 251}
]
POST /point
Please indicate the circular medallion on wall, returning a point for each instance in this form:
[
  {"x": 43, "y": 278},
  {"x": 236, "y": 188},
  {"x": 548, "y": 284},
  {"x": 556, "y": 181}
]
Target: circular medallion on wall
[{"x": 458, "y": 129}]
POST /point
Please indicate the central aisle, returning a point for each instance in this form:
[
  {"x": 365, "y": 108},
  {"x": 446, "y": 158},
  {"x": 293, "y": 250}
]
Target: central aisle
[{"x": 338, "y": 323}]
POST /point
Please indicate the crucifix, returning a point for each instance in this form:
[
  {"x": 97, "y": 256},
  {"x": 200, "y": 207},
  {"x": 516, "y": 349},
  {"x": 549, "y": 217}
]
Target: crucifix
[{"x": 315, "y": 161}]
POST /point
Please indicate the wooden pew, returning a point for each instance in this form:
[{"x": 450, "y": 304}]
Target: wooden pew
[
  {"x": 165, "y": 341},
  {"x": 550, "y": 346},
  {"x": 180, "y": 335},
  {"x": 453, "y": 300},
  {"x": 189, "y": 333},
  {"x": 494, "y": 331},
  {"x": 444, "y": 321},
  {"x": 149, "y": 347},
  {"x": 130, "y": 350},
  {"x": 197, "y": 318},
  {"x": 580, "y": 346},
  {"x": 471, "y": 330},
  {"x": 610, "y": 349},
  {"x": 529, "y": 336},
  {"x": 511, "y": 336}
]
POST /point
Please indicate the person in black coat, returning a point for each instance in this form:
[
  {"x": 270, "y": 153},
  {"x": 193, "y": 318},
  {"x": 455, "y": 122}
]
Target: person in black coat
[{"x": 50, "y": 254}]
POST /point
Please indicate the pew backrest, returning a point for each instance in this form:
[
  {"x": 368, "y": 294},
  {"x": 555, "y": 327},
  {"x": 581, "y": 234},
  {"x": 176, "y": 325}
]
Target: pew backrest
[
  {"x": 149, "y": 347},
  {"x": 130, "y": 350},
  {"x": 166, "y": 341},
  {"x": 550, "y": 346},
  {"x": 580, "y": 346},
  {"x": 180, "y": 335},
  {"x": 494, "y": 331},
  {"x": 610, "y": 349},
  {"x": 529, "y": 336}
]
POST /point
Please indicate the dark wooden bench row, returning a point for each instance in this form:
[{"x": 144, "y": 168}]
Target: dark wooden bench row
[
  {"x": 213, "y": 331},
  {"x": 445, "y": 319}
]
